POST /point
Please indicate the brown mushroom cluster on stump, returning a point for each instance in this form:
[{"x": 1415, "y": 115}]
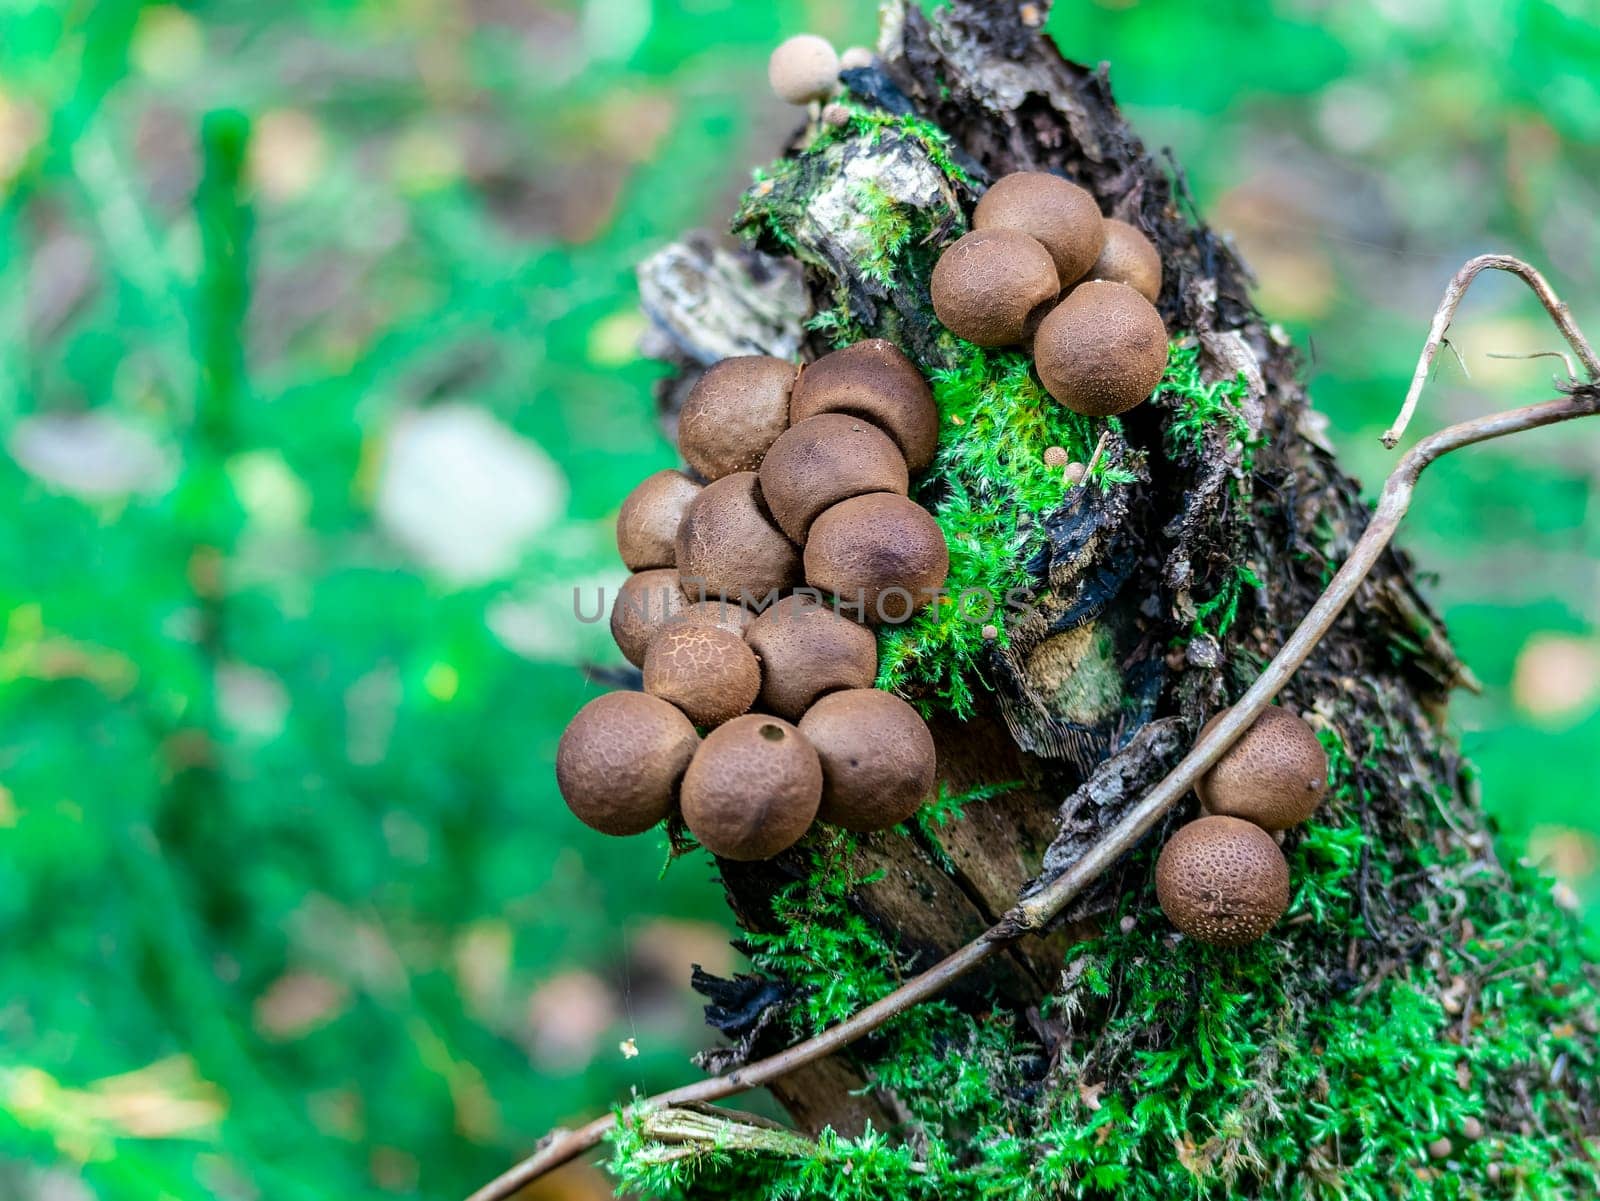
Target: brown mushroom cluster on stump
[
  {"x": 1221, "y": 879},
  {"x": 796, "y": 491},
  {"x": 1043, "y": 267}
]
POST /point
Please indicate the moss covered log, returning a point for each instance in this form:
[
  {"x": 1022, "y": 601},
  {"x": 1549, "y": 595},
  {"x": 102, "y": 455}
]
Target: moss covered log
[{"x": 1423, "y": 1023}]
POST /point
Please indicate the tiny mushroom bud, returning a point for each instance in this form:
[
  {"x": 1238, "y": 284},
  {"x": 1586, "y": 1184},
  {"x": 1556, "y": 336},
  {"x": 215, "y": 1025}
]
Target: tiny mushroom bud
[
  {"x": 734, "y": 412},
  {"x": 647, "y": 526},
  {"x": 1440, "y": 1148},
  {"x": 881, "y": 552},
  {"x": 990, "y": 633},
  {"x": 993, "y": 286},
  {"x": 822, "y": 460},
  {"x": 1055, "y": 456},
  {"x": 1222, "y": 880},
  {"x": 836, "y": 115},
  {"x": 706, "y": 671},
  {"x": 874, "y": 380},
  {"x": 806, "y": 649},
  {"x": 1129, "y": 257},
  {"x": 620, "y": 760},
  {"x": 1471, "y": 1128},
  {"x": 1102, "y": 350},
  {"x": 1275, "y": 775},
  {"x": 1073, "y": 473},
  {"x": 1055, "y": 211},
  {"x": 856, "y": 57},
  {"x": 646, "y": 601},
  {"x": 729, "y": 546},
  {"x": 877, "y": 756},
  {"x": 752, "y": 789},
  {"x": 803, "y": 69}
]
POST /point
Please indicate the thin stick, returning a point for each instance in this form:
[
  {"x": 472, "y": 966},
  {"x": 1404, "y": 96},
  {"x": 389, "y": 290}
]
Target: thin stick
[
  {"x": 1453, "y": 292},
  {"x": 1037, "y": 911}
]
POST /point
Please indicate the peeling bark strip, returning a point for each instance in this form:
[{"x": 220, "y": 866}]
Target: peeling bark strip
[{"x": 1132, "y": 577}]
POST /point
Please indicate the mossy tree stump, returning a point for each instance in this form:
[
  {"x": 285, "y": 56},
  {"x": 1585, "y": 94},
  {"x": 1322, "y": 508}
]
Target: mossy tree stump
[{"x": 1422, "y": 1022}]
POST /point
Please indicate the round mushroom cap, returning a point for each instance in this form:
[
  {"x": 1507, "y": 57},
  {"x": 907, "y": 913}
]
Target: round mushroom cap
[
  {"x": 620, "y": 760},
  {"x": 1129, "y": 257},
  {"x": 803, "y": 69},
  {"x": 1275, "y": 775},
  {"x": 729, "y": 547},
  {"x": 878, "y": 758},
  {"x": 881, "y": 555},
  {"x": 993, "y": 286},
  {"x": 1222, "y": 880},
  {"x": 706, "y": 671},
  {"x": 646, "y": 601},
  {"x": 872, "y": 379},
  {"x": 806, "y": 649},
  {"x": 733, "y": 413},
  {"x": 727, "y": 615},
  {"x": 856, "y": 57},
  {"x": 1102, "y": 350},
  {"x": 752, "y": 789},
  {"x": 825, "y": 459},
  {"x": 647, "y": 526},
  {"x": 1052, "y": 210}
]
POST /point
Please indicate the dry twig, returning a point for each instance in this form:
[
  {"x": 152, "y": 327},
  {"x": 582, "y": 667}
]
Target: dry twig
[{"x": 1038, "y": 910}]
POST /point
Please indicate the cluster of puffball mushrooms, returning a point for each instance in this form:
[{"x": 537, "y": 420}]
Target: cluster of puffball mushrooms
[
  {"x": 1221, "y": 878},
  {"x": 798, "y": 490}
]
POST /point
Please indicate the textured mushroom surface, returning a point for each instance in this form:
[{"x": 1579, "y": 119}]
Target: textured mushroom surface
[
  {"x": 993, "y": 286},
  {"x": 1222, "y": 880},
  {"x": 706, "y": 671},
  {"x": 873, "y": 379},
  {"x": 752, "y": 789},
  {"x": 806, "y": 649},
  {"x": 1102, "y": 350},
  {"x": 729, "y": 547},
  {"x": 1275, "y": 775},
  {"x": 878, "y": 758},
  {"x": 620, "y": 760},
  {"x": 1059, "y": 214},
  {"x": 724, "y": 614},
  {"x": 803, "y": 68},
  {"x": 825, "y": 459},
  {"x": 647, "y": 525},
  {"x": 882, "y": 554},
  {"x": 1129, "y": 257},
  {"x": 733, "y": 413},
  {"x": 646, "y": 601}
]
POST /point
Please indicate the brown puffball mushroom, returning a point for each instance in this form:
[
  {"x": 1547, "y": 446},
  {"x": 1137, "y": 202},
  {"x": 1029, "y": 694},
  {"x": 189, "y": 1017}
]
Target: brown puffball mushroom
[
  {"x": 872, "y": 379},
  {"x": 1222, "y": 880},
  {"x": 1129, "y": 257},
  {"x": 647, "y": 525},
  {"x": 803, "y": 69},
  {"x": 729, "y": 547},
  {"x": 1053, "y": 211},
  {"x": 881, "y": 555},
  {"x": 993, "y": 286},
  {"x": 825, "y": 459},
  {"x": 733, "y": 413},
  {"x": 806, "y": 649},
  {"x": 724, "y": 614},
  {"x": 620, "y": 760},
  {"x": 1275, "y": 775},
  {"x": 752, "y": 789},
  {"x": 877, "y": 756},
  {"x": 646, "y": 601},
  {"x": 706, "y": 671},
  {"x": 1102, "y": 350}
]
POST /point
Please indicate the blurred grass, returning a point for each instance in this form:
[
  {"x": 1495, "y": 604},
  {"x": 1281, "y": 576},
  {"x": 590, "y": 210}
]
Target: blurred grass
[{"x": 287, "y": 638}]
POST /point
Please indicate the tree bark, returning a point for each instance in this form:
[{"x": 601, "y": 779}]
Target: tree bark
[{"x": 1127, "y": 567}]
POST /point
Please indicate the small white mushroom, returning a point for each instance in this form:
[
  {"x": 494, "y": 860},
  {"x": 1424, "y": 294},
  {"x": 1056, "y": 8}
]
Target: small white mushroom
[
  {"x": 855, "y": 58},
  {"x": 803, "y": 69}
]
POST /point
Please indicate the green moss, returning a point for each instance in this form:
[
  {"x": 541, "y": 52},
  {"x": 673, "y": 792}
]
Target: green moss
[{"x": 1188, "y": 1071}]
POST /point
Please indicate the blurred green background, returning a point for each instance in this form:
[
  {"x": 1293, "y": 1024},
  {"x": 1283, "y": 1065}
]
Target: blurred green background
[{"x": 316, "y": 409}]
